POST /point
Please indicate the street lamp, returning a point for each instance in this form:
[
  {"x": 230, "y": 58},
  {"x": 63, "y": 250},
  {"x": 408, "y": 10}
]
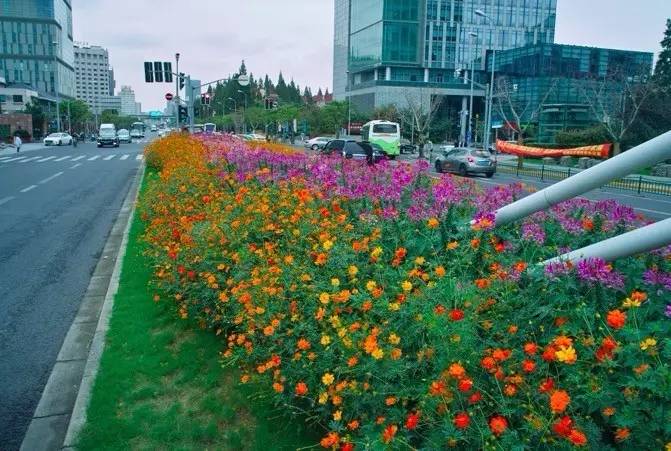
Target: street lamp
[
  {"x": 244, "y": 124},
  {"x": 490, "y": 103},
  {"x": 349, "y": 105},
  {"x": 58, "y": 98},
  {"x": 472, "y": 36}
]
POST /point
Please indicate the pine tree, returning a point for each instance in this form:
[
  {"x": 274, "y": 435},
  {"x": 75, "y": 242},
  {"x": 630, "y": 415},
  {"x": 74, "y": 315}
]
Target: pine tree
[
  {"x": 663, "y": 68},
  {"x": 243, "y": 69}
]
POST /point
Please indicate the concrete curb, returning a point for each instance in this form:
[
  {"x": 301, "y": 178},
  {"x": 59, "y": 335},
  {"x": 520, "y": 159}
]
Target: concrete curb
[{"x": 61, "y": 411}]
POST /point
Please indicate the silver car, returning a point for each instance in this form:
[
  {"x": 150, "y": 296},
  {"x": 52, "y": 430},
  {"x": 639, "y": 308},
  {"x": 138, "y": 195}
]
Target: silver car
[
  {"x": 316, "y": 143},
  {"x": 464, "y": 161}
]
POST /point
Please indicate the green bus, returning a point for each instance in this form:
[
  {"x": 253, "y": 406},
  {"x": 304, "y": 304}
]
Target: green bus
[{"x": 385, "y": 134}]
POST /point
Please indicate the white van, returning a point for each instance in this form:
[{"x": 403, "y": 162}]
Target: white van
[{"x": 107, "y": 136}]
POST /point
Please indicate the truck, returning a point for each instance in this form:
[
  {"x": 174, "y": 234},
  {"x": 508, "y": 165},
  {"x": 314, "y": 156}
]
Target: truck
[{"x": 107, "y": 136}]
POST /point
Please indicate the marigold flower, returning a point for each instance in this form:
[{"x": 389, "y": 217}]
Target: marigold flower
[
  {"x": 407, "y": 286},
  {"x": 394, "y": 339},
  {"x": 279, "y": 388},
  {"x": 608, "y": 411},
  {"x": 465, "y": 384},
  {"x": 510, "y": 389},
  {"x": 337, "y": 415},
  {"x": 324, "y": 298},
  {"x": 332, "y": 439},
  {"x": 353, "y": 425},
  {"x": 461, "y": 420},
  {"x": 352, "y": 361},
  {"x": 412, "y": 421},
  {"x": 389, "y": 433},
  {"x": 577, "y": 438},
  {"x": 563, "y": 426},
  {"x": 301, "y": 389},
  {"x": 528, "y": 366},
  {"x": 325, "y": 340},
  {"x": 547, "y": 385},
  {"x": 452, "y": 245},
  {"x": 456, "y": 371},
  {"x": 437, "y": 388},
  {"x": 347, "y": 447},
  {"x": 498, "y": 425},
  {"x": 328, "y": 378},
  {"x": 390, "y": 400},
  {"x": 566, "y": 355},
  {"x": 377, "y": 354},
  {"x": 352, "y": 270},
  {"x": 648, "y": 343},
  {"x": 488, "y": 363},
  {"x": 616, "y": 319},
  {"x": 456, "y": 314},
  {"x": 440, "y": 271},
  {"x": 327, "y": 245},
  {"x": 475, "y": 397},
  {"x": 432, "y": 223},
  {"x": 622, "y": 434},
  {"x": 559, "y": 400}
]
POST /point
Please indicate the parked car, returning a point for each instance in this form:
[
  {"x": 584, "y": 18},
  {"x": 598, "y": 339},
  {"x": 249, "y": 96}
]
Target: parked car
[
  {"x": 334, "y": 146},
  {"x": 359, "y": 150},
  {"x": 58, "y": 139},
  {"x": 123, "y": 135},
  {"x": 407, "y": 146},
  {"x": 316, "y": 143},
  {"x": 464, "y": 161}
]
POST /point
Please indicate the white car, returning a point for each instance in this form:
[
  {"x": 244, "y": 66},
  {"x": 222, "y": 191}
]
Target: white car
[
  {"x": 316, "y": 143},
  {"x": 58, "y": 139},
  {"x": 123, "y": 135}
]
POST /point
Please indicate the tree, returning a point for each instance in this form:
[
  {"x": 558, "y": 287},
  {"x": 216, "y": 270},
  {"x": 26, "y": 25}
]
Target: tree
[
  {"x": 663, "y": 68},
  {"x": 79, "y": 113},
  {"x": 387, "y": 113},
  {"x": 334, "y": 116},
  {"x": 39, "y": 118},
  {"x": 255, "y": 117},
  {"x": 419, "y": 116},
  {"x": 616, "y": 100},
  {"x": 519, "y": 113}
]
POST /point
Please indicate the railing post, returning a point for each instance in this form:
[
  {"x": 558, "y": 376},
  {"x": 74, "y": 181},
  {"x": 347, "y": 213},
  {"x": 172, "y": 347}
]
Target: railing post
[
  {"x": 640, "y": 181},
  {"x": 517, "y": 171},
  {"x": 542, "y": 171},
  {"x": 569, "y": 172}
]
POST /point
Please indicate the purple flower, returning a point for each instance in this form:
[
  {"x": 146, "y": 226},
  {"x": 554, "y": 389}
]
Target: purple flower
[
  {"x": 597, "y": 271},
  {"x": 532, "y": 231},
  {"x": 554, "y": 270},
  {"x": 667, "y": 312},
  {"x": 656, "y": 277}
]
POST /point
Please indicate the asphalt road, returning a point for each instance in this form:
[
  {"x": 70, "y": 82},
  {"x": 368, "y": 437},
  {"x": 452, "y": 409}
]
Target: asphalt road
[{"x": 57, "y": 207}]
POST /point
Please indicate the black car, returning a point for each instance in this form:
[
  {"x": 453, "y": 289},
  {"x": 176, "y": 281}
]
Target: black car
[
  {"x": 363, "y": 150},
  {"x": 407, "y": 147}
]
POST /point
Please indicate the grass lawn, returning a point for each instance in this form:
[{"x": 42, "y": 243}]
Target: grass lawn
[{"x": 161, "y": 384}]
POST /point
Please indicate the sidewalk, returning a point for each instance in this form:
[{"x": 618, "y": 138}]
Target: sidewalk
[{"x": 9, "y": 149}]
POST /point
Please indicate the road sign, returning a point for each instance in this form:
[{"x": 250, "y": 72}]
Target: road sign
[
  {"x": 243, "y": 80},
  {"x": 168, "y": 96}
]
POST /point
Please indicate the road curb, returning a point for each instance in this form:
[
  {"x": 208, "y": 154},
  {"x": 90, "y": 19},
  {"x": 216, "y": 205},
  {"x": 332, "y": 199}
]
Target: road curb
[{"x": 61, "y": 411}]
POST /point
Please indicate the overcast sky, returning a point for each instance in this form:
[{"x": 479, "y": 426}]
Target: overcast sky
[{"x": 295, "y": 36}]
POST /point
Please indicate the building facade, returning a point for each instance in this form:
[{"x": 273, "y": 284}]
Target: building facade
[
  {"x": 92, "y": 75},
  {"x": 37, "y": 47},
  {"x": 397, "y": 48},
  {"x": 128, "y": 105},
  {"x": 110, "y": 103}
]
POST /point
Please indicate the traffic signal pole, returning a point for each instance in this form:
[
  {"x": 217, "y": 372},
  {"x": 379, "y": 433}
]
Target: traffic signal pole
[{"x": 177, "y": 91}]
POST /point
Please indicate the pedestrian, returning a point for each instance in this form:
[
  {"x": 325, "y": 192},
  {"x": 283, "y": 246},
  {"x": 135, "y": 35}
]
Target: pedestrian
[{"x": 17, "y": 143}]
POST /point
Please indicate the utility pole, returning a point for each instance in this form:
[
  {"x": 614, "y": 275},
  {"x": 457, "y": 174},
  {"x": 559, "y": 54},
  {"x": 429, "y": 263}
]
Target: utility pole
[
  {"x": 470, "y": 109},
  {"x": 177, "y": 80},
  {"x": 190, "y": 102},
  {"x": 244, "y": 123},
  {"x": 58, "y": 98}
]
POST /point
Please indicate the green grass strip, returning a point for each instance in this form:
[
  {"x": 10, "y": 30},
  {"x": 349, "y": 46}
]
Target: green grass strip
[{"x": 161, "y": 384}]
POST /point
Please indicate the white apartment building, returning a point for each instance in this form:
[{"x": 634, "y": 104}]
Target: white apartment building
[{"x": 93, "y": 77}]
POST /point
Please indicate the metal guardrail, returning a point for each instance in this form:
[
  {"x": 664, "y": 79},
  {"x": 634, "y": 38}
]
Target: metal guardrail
[{"x": 638, "y": 183}]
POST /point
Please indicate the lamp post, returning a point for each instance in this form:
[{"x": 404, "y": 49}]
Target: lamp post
[
  {"x": 472, "y": 36},
  {"x": 244, "y": 124},
  {"x": 349, "y": 106},
  {"x": 235, "y": 106},
  {"x": 58, "y": 98},
  {"x": 177, "y": 80},
  {"x": 490, "y": 103}
]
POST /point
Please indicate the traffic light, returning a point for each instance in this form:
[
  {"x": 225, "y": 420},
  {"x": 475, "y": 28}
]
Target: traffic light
[
  {"x": 183, "y": 114},
  {"x": 167, "y": 72},
  {"x": 205, "y": 99},
  {"x": 158, "y": 72},
  {"x": 181, "y": 80},
  {"x": 148, "y": 72}
]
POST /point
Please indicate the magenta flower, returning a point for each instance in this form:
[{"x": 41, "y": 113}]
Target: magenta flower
[{"x": 597, "y": 271}]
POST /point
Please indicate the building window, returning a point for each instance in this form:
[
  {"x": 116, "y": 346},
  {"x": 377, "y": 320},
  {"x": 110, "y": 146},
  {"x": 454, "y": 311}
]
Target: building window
[{"x": 17, "y": 98}]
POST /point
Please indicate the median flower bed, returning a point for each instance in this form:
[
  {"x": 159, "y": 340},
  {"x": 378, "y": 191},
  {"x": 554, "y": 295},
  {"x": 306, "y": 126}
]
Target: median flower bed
[{"x": 362, "y": 301}]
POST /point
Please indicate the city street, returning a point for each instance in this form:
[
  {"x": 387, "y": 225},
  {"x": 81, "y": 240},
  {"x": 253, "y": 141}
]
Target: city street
[{"x": 57, "y": 207}]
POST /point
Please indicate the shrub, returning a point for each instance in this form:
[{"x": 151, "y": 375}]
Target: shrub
[{"x": 357, "y": 298}]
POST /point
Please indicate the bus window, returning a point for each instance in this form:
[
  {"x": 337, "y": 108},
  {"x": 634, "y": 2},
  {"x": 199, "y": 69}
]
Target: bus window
[{"x": 385, "y": 128}]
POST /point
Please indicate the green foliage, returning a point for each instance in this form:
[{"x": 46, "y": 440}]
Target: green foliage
[
  {"x": 663, "y": 67},
  {"x": 79, "y": 113},
  {"x": 113, "y": 117},
  {"x": 585, "y": 137}
]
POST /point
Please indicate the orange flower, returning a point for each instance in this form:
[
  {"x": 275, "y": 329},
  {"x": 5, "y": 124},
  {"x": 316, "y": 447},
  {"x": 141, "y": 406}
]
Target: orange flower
[
  {"x": 440, "y": 271},
  {"x": 461, "y": 420},
  {"x": 577, "y": 438},
  {"x": 301, "y": 388},
  {"x": 559, "y": 400},
  {"x": 390, "y": 401},
  {"x": 389, "y": 433},
  {"x": 622, "y": 434},
  {"x": 457, "y": 371},
  {"x": 528, "y": 366},
  {"x": 616, "y": 319},
  {"x": 465, "y": 384},
  {"x": 530, "y": 348},
  {"x": 498, "y": 425},
  {"x": 432, "y": 223},
  {"x": 482, "y": 283},
  {"x": 279, "y": 388},
  {"x": 437, "y": 388},
  {"x": 608, "y": 411},
  {"x": 412, "y": 421},
  {"x": 303, "y": 344},
  {"x": 352, "y": 425},
  {"x": 332, "y": 439},
  {"x": 352, "y": 361},
  {"x": 510, "y": 389}
]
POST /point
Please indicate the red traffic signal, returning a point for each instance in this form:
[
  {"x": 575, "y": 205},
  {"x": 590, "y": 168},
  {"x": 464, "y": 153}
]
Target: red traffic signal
[{"x": 168, "y": 96}]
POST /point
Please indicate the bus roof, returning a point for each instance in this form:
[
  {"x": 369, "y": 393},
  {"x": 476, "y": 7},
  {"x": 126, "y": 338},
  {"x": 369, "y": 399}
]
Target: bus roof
[{"x": 377, "y": 121}]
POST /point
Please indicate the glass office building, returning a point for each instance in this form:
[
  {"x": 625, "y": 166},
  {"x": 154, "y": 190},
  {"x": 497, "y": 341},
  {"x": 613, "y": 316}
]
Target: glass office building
[
  {"x": 550, "y": 81},
  {"x": 37, "y": 45},
  {"x": 398, "y": 47}
]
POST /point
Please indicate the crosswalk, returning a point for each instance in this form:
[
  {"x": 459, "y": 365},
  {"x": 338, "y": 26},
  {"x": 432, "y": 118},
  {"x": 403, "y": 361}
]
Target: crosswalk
[{"x": 67, "y": 158}]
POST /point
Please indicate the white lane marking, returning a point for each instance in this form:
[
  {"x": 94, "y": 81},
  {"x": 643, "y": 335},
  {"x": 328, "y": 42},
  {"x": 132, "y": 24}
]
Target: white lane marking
[
  {"x": 63, "y": 158},
  {"x": 25, "y": 190},
  {"x": 76, "y": 165},
  {"x": 124, "y": 157},
  {"x": 78, "y": 158},
  {"x": 95, "y": 157},
  {"x": 15, "y": 159},
  {"x": 139, "y": 157},
  {"x": 108, "y": 158},
  {"x": 5, "y": 158},
  {"x": 46, "y": 159},
  {"x": 6, "y": 199},
  {"x": 48, "y": 179},
  {"x": 29, "y": 159}
]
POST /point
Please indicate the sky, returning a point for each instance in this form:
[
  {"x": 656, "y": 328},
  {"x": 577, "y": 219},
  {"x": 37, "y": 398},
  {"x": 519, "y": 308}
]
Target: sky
[{"x": 295, "y": 36}]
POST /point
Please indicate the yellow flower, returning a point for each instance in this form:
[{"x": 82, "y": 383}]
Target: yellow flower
[
  {"x": 420, "y": 260},
  {"x": 337, "y": 415},
  {"x": 324, "y": 298},
  {"x": 335, "y": 282},
  {"x": 566, "y": 355},
  {"x": 376, "y": 252},
  {"x": 630, "y": 303},
  {"x": 325, "y": 340},
  {"x": 371, "y": 285},
  {"x": 327, "y": 379},
  {"x": 323, "y": 397},
  {"x": 452, "y": 245},
  {"x": 432, "y": 223},
  {"x": 352, "y": 271},
  {"x": 328, "y": 244},
  {"x": 394, "y": 339},
  {"x": 668, "y": 447},
  {"x": 378, "y": 354},
  {"x": 407, "y": 286},
  {"x": 648, "y": 343},
  {"x": 394, "y": 306}
]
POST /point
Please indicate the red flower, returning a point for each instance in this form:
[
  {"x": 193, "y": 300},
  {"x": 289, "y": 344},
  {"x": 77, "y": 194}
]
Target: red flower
[
  {"x": 412, "y": 421},
  {"x": 301, "y": 388},
  {"x": 547, "y": 385},
  {"x": 616, "y": 319},
  {"x": 530, "y": 348},
  {"x": 549, "y": 353},
  {"x": 488, "y": 363},
  {"x": 498, "y": 425},
  {"x": 462, "y": 420},
  {"x": 563, "y": 426},
  {"x": 389, "y": 433},
  {"x": 528, "y": 366},
  {"x": 465, "y": 384},
  {"x": 347, "y": 447},
  {"x": 456, "y": 314},
  {"x": 475, "y": 397}
]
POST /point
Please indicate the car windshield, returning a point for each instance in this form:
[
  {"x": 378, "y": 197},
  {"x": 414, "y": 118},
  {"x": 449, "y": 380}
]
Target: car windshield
[
  {"x": 384, "y": 128},
  {"x": 54, "y": 135},
  {"x": 480, "y": 153}
]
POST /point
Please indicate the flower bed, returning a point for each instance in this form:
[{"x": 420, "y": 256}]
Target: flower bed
[{"x": 358, "y": 298}]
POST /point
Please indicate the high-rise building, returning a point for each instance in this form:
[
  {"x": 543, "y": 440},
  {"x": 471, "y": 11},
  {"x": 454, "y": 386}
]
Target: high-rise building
[
  {"x": 92, "y": 74},
  {"x": 128, "y": 105},
  {"x": 37, "y": 46},
  {"x": 112, "y": 86},
  {"x": 399, "y": 48}
]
